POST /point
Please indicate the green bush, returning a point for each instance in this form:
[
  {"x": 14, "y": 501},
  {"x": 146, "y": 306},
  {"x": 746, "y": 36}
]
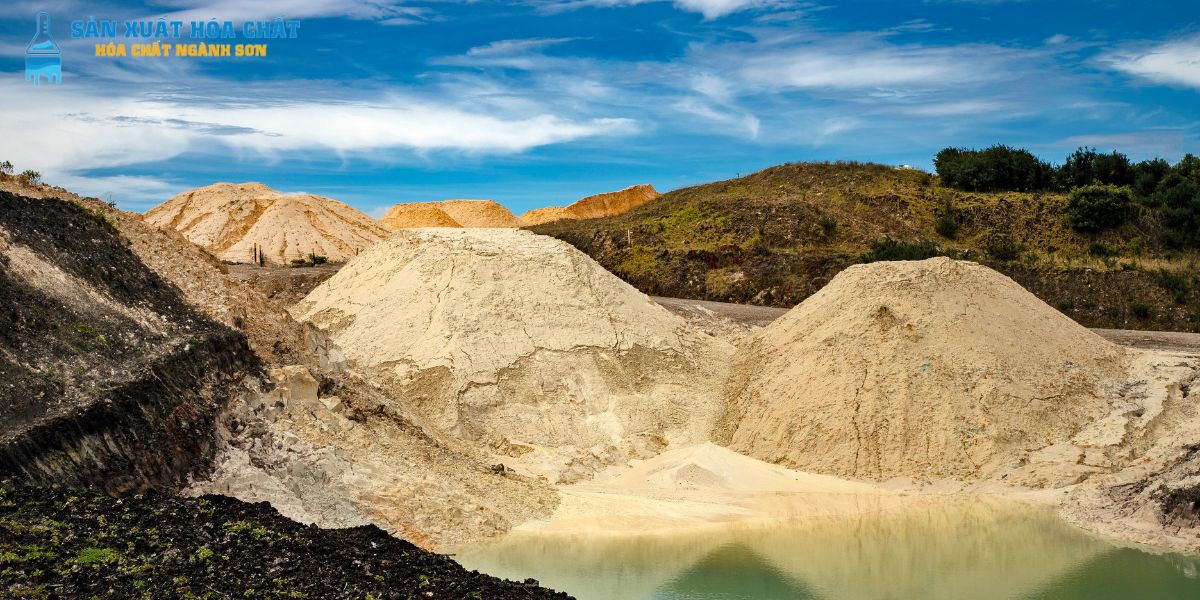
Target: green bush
[
  {"x": 947, "y": 220},
  {"x": 1002, "y": 246},
  {"x": 6, "y": 168},
  {"x": 1101, "y": 249},
  {"x": 30, "y": 177},
  {"x": 1178, "y": 198},
  {"x": 889, "y": 249},
  {"x": 1087, "y": 167},
  {"x": 996, "y": 169},
  {"x": 1147, "y": 175},
  {"x": 1140, "y": 310},
  {"x": 828, "y": 225},
  {"x": 1174, "y": 283},
  {"x": 1099, "y": 207}
]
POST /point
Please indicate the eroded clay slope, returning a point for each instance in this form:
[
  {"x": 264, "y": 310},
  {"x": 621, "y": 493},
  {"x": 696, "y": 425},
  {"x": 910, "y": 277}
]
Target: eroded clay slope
[
  {"x": 524, "y": 345},
  {"x": 934, "y": 368},
  {"x": 243, "y": 222}
]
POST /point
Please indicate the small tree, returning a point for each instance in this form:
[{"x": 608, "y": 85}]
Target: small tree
[
  {"x": 6, "y": 168},
  {"x": 1099, "y": 207},
  {"x": 30, "y": 177}
]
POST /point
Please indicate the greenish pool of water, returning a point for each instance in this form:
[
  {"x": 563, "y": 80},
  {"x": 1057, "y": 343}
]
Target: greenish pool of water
[{"x": 979, "y": 549}]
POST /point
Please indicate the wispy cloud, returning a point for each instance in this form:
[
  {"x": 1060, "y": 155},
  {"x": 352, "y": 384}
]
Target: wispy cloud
[
  {"x": 1175, "y": 62},
  {"x": 710, "y": 9},
  {"x": 514, "y": 54},
  {"x": 390, "y": 12},
  {"x": 865, "y": 62},
  {"x": 52, "y": 134}
]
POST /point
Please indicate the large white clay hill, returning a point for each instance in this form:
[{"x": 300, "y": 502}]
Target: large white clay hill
[
  {"x": 935, "y": 368},
  {"x": 250, "y": 222},
  {"x": 523, "y": 345}
]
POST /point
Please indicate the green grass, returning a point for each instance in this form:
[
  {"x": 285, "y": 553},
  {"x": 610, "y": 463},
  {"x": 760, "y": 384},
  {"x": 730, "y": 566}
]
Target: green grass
[{"x": 91, "y": 556}]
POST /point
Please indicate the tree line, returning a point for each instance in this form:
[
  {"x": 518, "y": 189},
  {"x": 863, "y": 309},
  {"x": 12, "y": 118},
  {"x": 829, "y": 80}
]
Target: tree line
[{"x": 1105, "y": 190}]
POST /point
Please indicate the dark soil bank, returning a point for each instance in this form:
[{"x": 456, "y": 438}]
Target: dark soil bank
[
  {"x": 75, "y": 543},
  {"x": 107, "y": 376}
]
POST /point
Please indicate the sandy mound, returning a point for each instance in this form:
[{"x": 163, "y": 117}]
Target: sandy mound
[
  {"x": 415, "y": 215},
  {"x": 613, "y": 203},
  {"x": 236, "y": 222},
  {"x": 524, "y": 344},
  {"x": 464, "y": 213},
  {"x": 549, "y": 214},
  {"x": 600, "y": 205},
  {"x": 933, "y": 368}
]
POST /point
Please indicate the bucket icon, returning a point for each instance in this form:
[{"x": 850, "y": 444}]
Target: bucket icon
[{"x": 43, "y": 58}]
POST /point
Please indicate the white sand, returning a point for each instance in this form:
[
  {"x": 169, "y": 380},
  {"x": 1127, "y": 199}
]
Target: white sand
[
  {"x": 524, "y": 345},
  {"x": 706, "y": 486},
  {"x": 931, "y": 369}
]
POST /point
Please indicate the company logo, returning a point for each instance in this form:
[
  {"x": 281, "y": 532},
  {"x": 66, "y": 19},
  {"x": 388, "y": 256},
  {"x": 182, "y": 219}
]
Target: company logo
[{"x": 43, "y": 58}]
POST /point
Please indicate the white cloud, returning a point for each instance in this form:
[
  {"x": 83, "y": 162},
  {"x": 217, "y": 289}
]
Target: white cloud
[
  {"x": 64, "y": 132},
  {"x": 523, "y": 54},
  {"x": 710, "y": 9},
  {"x": 853, "y": 64},
  {"x": 510, "y": 47},
  {"x": 970, "y": 107},
  {"x": 744, "y": 122},
  {"x": 1056, "y": 39},
  {"x": 1175, "y": 62},
  {"x": 387, "y": 11}
]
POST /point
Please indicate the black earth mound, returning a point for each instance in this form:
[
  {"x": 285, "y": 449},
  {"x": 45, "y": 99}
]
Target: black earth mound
[
  {"x": 80, "y": 543},
  {"x": 107, "y": 376}
]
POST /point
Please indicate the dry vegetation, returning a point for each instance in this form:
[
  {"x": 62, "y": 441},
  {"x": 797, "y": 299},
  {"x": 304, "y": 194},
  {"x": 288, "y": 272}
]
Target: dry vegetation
[{"x": 777, "y": 236}]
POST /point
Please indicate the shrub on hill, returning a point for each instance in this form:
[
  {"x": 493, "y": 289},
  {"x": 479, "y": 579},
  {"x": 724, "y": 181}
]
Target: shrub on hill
[
  {"x": 1085, "y": 166},
  {"x": 1178, "y": 199},
  {"x": 889, "y": 249},
  {"x": 1098, "y": 207},
  {"x": 1147, "y": 175},
  {"x": 999, "y": 168}
]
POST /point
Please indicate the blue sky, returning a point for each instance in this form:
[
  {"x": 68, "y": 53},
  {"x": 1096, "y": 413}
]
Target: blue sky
[{"x": 541, "y": 102}]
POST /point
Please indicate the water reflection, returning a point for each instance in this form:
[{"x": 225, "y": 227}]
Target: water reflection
[{"x": 978, "y": 548}]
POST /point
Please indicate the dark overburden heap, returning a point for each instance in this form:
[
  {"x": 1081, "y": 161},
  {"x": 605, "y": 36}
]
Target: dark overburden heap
[
  {"x": 76, "y": 543},
  {"x": 107, "y": 375}
]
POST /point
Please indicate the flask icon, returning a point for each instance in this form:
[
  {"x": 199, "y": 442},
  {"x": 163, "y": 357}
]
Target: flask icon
[{"x": 43, "y": 58}]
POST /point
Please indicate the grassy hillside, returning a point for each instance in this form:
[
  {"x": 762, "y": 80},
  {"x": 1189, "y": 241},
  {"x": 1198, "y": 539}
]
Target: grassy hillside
[{"x": 777, "y": 236}]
